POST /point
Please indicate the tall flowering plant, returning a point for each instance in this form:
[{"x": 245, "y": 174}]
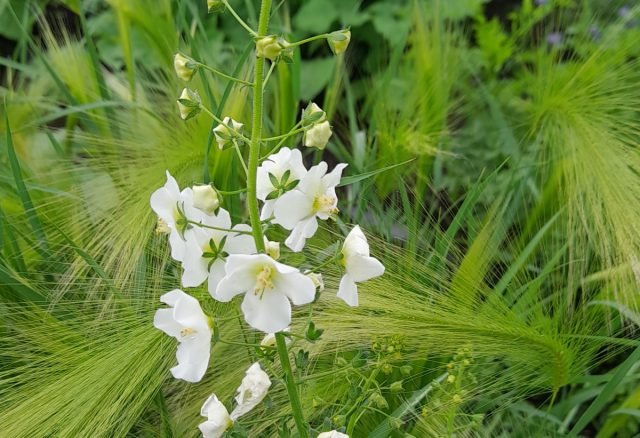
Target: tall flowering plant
[{"x": 239, "y": 259}]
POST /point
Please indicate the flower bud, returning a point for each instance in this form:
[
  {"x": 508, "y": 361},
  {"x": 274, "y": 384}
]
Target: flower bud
[
  {"x": 205, "y": 198},
  {"x": 457, "y": 399},
  {"x": 339, "y": 40},
  {"x": 451, "y": 378},
  {"x": 226, "y": 132},
  {"x": 378, "y": 400},
  {"x": 185, "y": 67},
  {"x": 396, "y": 386},
  {"x": 269, "y": 47},
  {"x": 214, "y": 6},
  {"x": 189, "y": 104},
  {"x": 318, "y": 135},
  {"x": 312, "y": 115},
  {"x": 317, "y": 279},
  {"x": 406, "y": 369},
  {"x": 272, "y": 248}
]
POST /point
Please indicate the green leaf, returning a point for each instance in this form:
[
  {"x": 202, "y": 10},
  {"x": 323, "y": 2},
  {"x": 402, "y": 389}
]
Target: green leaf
[
  {"x": 346, "y": 180},
  {"x": 23, "y": 193},
  {"x": 607, "y": 393},
  {"x": 274, "y": 181}
]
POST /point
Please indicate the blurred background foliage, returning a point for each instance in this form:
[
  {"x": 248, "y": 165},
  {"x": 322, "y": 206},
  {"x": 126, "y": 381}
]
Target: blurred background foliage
[{"x": 510, "y": 237}]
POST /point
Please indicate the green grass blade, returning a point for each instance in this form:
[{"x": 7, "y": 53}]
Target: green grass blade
[
  {"x": 607, "y": 393},
  {"x": 355, "y": 178},
  {"x": 23, "y": 193}
]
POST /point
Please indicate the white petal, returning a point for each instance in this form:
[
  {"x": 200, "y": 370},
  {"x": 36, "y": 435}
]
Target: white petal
[
  {"x": 311, "y": 184},
  {"x": 297, "y": 286},
  {"x": 188, "y": 313},
  {"x": 163, "y": 320},
  {"x": 348, "y": 291},
  {"x": 211, "y": 429},
  {"x": 163, "y": 204},
  {"x": 267, "y": 209},
  {"x": 362, "y": 268},
  {"x": 291, "y": 208},
  {"x": 245, "y": 262},
  {"x": 171, "y": 298},
  {"x": 216, "y": 273},
  {"x": 300, "y": 233},
  {"x": 332, "y": 179},
  {"x": 269, "y": 312},
  {"x": 177, "y": 245},
  {"x": 236, "y": 283},
  {"x": 172, "y": 185},
  {"x": 193, "y": 359},
  {"x": 240, "y": 244},
  {"x": 220, "y": 220},
  {"x": 298, "y": 171},
  {"x": 355, "y": 243},
  {"x": 195, "y": 266}
]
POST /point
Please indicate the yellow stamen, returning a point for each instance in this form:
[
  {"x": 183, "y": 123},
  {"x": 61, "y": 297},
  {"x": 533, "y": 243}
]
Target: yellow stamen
[
  {"x": 162, "y": 227},
  {"x": 325, "y": 204},
  {"x": 264, "y": 280},
  {"x": 187, "y": 331}
]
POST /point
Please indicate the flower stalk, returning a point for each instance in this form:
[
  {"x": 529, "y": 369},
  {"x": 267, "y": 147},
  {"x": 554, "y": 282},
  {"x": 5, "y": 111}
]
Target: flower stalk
[{"x": 292, "y": 390}]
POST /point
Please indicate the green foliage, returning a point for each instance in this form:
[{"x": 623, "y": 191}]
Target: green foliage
[{"x": 498, "y": 172}]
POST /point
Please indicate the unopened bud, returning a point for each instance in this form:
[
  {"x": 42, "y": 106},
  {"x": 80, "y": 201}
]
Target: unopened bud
[
  {"x": 272, "y": 248},
  {"x": 226, "y": 132},
  {"x": 215, "y": 6},
  {"x": 185, "y": 67},
  {"x": 318, "y": 282},
  {"x": 312, "y": 115},
  {"x": 270, "y": 47},
  {"x": 396, "y": 386},
  {"x": 339, "y": 40},
  {"x": 189, "y": 104},
  {"x": 205, "y": 198},
  {"x": 451, "y": 378},
  {"x": 318, "y": 135}
]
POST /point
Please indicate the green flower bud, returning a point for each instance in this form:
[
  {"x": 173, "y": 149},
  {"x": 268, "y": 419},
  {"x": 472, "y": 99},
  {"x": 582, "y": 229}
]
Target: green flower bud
[
  {"x": 339, "y": 40},
  {"x": 396, "y": 386},
  {"x": 205, "y": 198},
  {"x": 189, "y": 104},
  {"x": 214, "y": 6},
  {"x": 185, "y": 67}
]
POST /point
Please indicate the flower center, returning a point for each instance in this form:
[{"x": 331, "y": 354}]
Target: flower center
[
  {"x": 325, "y": 204},
  {"x": 264, "y": 280},
  {"x": 187, "y": 331}
]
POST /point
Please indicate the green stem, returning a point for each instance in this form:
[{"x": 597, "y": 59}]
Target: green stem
[
  {"x": 219, "y": 73},
  {"x": 231, "y": 192},
  {"x": 308, "y": 40},
  {"x": 283, "y": 136},
  {"x": 292, "y": 390},
  {"x": 229, "y": 230},
  {"x": 239, "y": 152},
  {"x": 256, "y": 133},
  {"x": 271, "y": 67},
  {"x": 280, "y": 143}
]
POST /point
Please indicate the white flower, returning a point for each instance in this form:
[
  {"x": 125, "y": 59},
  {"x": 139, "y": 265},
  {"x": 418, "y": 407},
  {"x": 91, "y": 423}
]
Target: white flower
[
  {"x": 270, "y": 339},
  {"x": 185, "y": 67},
  {"x": 339, "y": 40},
  {"x": 226, "y": 132},
  {"x": 286, "y": 168},
  {"x": 172, "y": 207},
  {"x": 318, "y": 135},
  {"x": 268, "y": 286},
  {"x": 205, "y": 198},
  {"x": 358, "y": 265},
  {"x": 218, "y": 418},
  {"x": 206, "y": 250},
  {"x": 272, "y": 248},
  {"x": 333, "y": 434},
  {"x": 189, "y": 104},
  {"x": 314, "y": 198},
  {"x": 252, "y": 390},
  {"x": 186, "y": 322}
]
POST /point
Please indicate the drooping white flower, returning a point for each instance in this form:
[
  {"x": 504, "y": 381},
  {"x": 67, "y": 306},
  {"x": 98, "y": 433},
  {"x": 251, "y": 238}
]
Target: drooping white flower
[
  {"x": 252, "y": 390},
  {"x": 267, "y": 287},
  {"x": 218, "y": 418},
  {"x": 189, "y": 104},
  {"x": 226, "y": 132},
  {"x": 270, "y": 339},
  {"x": 207, "y": 249},
  {"x": 172, "y": 207},
  {"x": 359, "y": 266},
  {"x": 205, "y": 198},
  {"x": 314, "y": 198},
  {"x": 312, "y": 114},
  {"x": 276, "y": 175},
  {"x": 318, "y": 135},
  {"x": 333, "y": 434},
  {"x": 185, "y": 67},
  {"x": 186, "y": 322}
]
